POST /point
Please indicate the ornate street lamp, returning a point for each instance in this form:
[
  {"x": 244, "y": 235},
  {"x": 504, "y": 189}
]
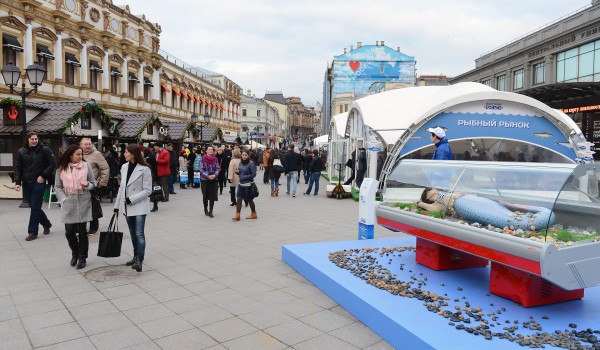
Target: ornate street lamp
[
  {"x": 201, "y": 124},
  {"x": 35, "y": 75}
]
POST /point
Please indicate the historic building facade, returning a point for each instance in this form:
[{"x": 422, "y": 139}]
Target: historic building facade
[
  {"x": 93, "y": 49},
  {"x": 301, "y": 118},
  {"x": 558, "y": 64},
  {"x": 259, "y": 120}
]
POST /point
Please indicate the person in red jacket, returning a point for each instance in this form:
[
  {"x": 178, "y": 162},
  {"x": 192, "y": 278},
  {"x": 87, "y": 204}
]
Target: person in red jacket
[{"x": 163, "y": 168}]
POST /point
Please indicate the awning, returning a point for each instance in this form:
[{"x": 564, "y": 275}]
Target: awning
[
  {"x": 71, "y": 59},
  {"x": 43, "y": 51},
  {"x": 95, "y": 66},
  {"x": 11, "y": 42},
  {"x": 198, "y": 99},
  {"x": 115, "y": 72},
  {"x": 184, "y": 94},
  {"x": 175, "y": 91},
  {"x": 147, "y": 81},
  {"x": 133, "y": 77},
  {"x": 164, "y": 86}
]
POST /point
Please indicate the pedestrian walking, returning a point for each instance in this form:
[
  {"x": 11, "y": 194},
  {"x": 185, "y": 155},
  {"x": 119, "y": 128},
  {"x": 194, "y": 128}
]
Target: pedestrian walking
[
  {"x": 150, "y": 159},
  {"x": 173, "y": 163},
  {"x": 316, "y": 166},
  {"x": 362, "y": 166},
  {"x": 163, "y": 168},
  {"x": 183, "y": 166},
  {"x": 190, "y": 169},
  {"x": 306, "y": 160},
  {"x": 246, "y": 172},
  {"x": 34, "y": 165},
  {"x": 223, "y": 166},
  {"x": 265, "y": 165},
  {"x": 232, "y": 175},
  {"x": 209, "y": 173},
  {"x": 273, "y": 175},
  {"x": 101, "y": 172},
  {"x": 133, "y": 201},
  {"x": 292, "y": 164},
  {"x": 74, "y": 181}
]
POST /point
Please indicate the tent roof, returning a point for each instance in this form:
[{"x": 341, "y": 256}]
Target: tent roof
[
  {"x": 399, "y": 109},
  {"x": 321, "y": 139},
  {"x": 339, "y": 122}
]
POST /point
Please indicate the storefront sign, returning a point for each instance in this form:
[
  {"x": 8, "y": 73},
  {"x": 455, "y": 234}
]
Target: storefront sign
[
  {"x": 580, "y": 109},
  {"x": 596, "y": 124}
]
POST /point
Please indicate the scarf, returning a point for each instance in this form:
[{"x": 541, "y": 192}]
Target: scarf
[
  {"x": 73, "y": 176},
  {"x": 209, "y": 160}
]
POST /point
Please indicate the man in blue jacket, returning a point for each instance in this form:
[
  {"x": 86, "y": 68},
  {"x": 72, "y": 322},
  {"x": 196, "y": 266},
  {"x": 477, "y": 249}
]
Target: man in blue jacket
[{"x": 443, "y": 150}]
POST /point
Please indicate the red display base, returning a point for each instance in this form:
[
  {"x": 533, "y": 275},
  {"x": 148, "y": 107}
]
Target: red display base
[
  {"x": 527, "y": 289},
  {"x": 439, "y": 257}
]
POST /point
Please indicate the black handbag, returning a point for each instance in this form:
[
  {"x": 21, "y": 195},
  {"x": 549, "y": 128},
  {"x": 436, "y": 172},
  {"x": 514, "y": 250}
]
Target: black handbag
[
  {"x": 96, "y": 207},
  {"x": 157, "y": 194},
  {"x": 253, "y": 190},
  {"x": 109, "y": 245}
]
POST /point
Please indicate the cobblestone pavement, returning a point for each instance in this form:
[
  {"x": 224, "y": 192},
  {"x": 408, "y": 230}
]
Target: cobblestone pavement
[{"x": 207, "y": 283}]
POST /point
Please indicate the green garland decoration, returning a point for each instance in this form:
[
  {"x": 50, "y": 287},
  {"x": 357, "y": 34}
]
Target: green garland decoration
[
  {"x": 89, "y": 107},
  {"x": 218, "y": 133},
  {"x": 154, "y": 118},
  {"x": 5, "y": 102}
]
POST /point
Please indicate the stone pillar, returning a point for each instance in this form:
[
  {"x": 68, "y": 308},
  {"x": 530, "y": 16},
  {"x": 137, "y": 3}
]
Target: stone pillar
[
  {"x": 105, "y": 71},
  {"x": 59, "y": 60},
  {"x": 140, "y": 82},
  {"x": 124, "y": 78},
  {"x": 550, "y": 70},
  {"x": 84, "y": 66},
  {"x": 28, "y": 46},
  {"x": 156, "y": 87}
]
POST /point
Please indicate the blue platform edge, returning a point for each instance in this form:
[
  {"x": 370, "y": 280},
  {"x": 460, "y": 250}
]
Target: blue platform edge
[{"x": 405, "y": 323}]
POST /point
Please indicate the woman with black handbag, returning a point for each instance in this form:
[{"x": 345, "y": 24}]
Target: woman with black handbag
[
  {"x": 246, "y": 189},
  {"x": 73, "y": 183},
  {"x": 209, "y": 173},
  {"x": 133, "y": 201}
]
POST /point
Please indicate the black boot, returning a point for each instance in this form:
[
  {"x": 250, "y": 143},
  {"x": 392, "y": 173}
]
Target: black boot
[
  {"x": 130, "y": 262},
  {"x": 80, "y": 263},
  {"x": 206, "y": 211},
  {"x": 212, "y": 204},
  {"x": 137, "y": 264},
  {"x": 73, "y": 260}
]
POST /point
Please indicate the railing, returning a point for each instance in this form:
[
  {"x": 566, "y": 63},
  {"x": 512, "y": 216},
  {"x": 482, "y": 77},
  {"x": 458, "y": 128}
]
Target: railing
[{"x": 199, "y": 72}]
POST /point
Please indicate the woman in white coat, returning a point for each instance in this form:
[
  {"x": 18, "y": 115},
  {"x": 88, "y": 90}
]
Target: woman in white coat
[{"x": 133, "y": 201}]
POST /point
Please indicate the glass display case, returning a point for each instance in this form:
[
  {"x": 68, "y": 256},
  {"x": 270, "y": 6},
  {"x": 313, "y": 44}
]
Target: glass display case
[
  {"x": 528, "y": 219},
  {"x": 541, "y": 202}
]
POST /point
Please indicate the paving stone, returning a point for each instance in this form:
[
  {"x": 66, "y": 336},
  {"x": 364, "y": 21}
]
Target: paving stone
[
  {"x": 325, "y": 341},
  {"x": 119, "y": 338},
  {"x": 293, "y": 332},
  {"x": 134, "y": 301},
  {"x": 82, "y": 299},
  {"x": 242, "y": 306},
  {"x": 255, "y": 341},
  {"x": 207, "y": 315},
  {"x": 326, "y": 320},
  {"x": 47, "y": 319},
  {"x": 148, "y": 313},
  {"x": 15, "y": 341},
  {"x": 357, "y": 334},
  {"x": 33, "y": 296},
  {"x": 265, "y": 318},
  {"x": 187, "y": 304},
  {"x": 102, "y": 324},
  {"x": 55, "y": 334},
  {"x": 39, "y": 307},
  {"x": 190, "y": 339},
  {"x": 228, "y": 329},
  {"x": 79, "y": 344},
  {"x": 93, "y": 310},
  {"x": 121, "y": 291},
  {"x": 165, "y": 326},
  {"x": 171, "y": 293}
]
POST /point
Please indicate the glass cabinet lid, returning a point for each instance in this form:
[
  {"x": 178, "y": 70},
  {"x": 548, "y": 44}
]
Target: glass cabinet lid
[{"x": 544, "y": 202}]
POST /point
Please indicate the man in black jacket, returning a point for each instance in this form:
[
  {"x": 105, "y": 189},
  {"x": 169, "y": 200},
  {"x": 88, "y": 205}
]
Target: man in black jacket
[
  {"x": 306, "y": 160},
  {"x": 292, "y": 162},
  {"x": 34, "y": 165},
  {"x": 316, "y": 166}
]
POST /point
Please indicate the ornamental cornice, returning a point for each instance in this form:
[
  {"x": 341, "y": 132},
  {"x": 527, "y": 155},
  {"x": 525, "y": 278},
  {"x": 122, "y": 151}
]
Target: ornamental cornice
[
  {"x": 45, "y": 33},
  {"x": 12, "y": 22}
]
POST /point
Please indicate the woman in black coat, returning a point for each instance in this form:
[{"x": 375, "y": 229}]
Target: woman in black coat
[{"x": 151, "y": 161}]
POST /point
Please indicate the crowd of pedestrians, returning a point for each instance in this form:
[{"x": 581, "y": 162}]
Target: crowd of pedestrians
[{"x": 139, "y": 175}]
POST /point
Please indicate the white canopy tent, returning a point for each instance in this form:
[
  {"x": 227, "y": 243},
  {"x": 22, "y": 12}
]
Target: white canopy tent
[
  {"x": 338, "y": 146},
  {"x": 253, "y": 145},
  {"x": 320, "y": 141}
]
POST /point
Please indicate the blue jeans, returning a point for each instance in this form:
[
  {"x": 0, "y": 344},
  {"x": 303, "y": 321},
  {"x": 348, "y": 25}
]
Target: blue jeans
[
  {"x": 293, "y": 178},
  {"x": 136, "y": 230},
  {"x": 34, "y": 194},
  {"x": 274, "y": 184},
  {"x": 314, "y": 178},
  {"x": 172, "y": 179},
  {"x": 306, "y": 176}
]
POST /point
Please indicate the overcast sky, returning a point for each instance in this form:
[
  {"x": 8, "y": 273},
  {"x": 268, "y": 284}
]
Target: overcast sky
[{"x": 267, "y": 45}]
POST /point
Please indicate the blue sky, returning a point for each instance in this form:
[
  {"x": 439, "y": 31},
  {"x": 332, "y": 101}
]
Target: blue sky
[{"x": 286, "y": 46}]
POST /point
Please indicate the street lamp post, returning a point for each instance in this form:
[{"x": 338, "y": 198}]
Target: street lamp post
[
  {"x": 35, "y": 75},
  {"x": 201, "y": 124}
]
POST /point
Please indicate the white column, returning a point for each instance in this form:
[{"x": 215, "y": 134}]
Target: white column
[
  {"x": 28, "y": 46},
  {"x": 124, "y": 78},
  {"x": 59, "y": 59},
  {"x": 156, "y": 83},
  {"x": 84, "y": 70},
  {"x": 106, "y": 71},
  {"x": 141, "y": 82}
]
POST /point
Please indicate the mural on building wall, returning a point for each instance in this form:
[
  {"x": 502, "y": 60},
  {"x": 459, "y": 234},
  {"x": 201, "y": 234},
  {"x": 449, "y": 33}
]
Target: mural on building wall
[{"x": 359, "y": 69}]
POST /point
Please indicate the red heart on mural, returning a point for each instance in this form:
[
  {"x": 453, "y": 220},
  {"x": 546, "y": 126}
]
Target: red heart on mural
[{"x": 354, "y": 65}]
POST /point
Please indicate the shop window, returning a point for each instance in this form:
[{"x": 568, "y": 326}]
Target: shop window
[
  {"x": 487, "y": 82},
  {"x": 518, "y": 79}
]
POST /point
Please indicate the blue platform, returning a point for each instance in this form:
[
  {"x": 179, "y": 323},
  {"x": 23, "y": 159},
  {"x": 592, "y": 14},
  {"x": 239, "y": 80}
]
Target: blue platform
[{"x": 405, "y": 323}]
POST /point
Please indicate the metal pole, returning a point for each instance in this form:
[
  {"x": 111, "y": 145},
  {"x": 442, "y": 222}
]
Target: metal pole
[{"x": 23, "y": 94}]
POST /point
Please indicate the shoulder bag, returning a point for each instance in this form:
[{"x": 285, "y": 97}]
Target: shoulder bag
[{"x": 109, "y": 245}]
